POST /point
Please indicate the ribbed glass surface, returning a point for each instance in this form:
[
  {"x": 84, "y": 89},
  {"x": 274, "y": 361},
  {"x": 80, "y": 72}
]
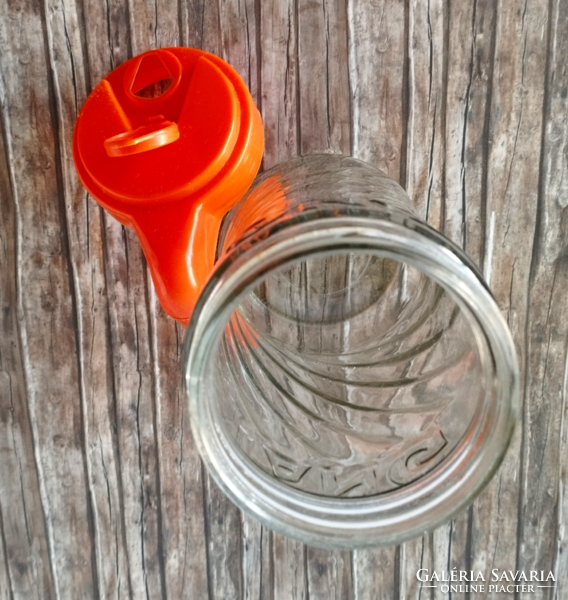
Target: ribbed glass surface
[{"x": 344, "y": 373}]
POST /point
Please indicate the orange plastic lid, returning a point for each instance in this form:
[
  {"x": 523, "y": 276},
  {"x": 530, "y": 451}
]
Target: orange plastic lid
[{"x": 171, "y": 166}]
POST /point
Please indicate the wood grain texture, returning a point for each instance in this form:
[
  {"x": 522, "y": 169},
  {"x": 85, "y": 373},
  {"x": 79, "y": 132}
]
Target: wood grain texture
[{"x": 102, "y": 494}]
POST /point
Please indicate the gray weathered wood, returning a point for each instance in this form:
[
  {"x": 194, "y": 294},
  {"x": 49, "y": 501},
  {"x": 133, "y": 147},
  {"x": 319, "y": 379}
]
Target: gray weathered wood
[
  {"x": 377, "y": 78},
  {"x": 515, "y": 131},
  {"x": 44, "y": 311},
  {"x": 543, "y": 468},
  {"x": 102, "y": 494}
]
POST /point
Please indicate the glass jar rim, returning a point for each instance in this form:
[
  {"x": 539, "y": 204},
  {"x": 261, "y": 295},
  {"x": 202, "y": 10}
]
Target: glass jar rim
[{"x": 393, "y": 516}]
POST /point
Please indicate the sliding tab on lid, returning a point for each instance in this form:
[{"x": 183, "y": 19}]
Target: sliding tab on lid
[{"x": 170, "y": 165}]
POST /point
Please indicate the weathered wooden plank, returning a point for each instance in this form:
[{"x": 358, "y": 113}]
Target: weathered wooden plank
[
  {"x": 258, "y": 567},
  {"x": 451, "y": 542},
  {"x": 223, "y": 532},
  {"x": 324, "y": 95},
  {"x": 279, "y": 81},
  {"x": 512, "y": 189},
  {"x": 375, "y": 574},
  {"x": 239, "y": 41},
  {"x": 211, "y": 28},
  {"x": 426, "y": 91},
  {"x": 324, "y": 126},
  {"x": 228, "y": 30},
  {"x": 183, "y": 545},
  {"x": 106, "y": 34},
  {"x": 477, "y": 222},
  {"x": 6, "y": 592},
  {"x": 377, "y": 81},
  {"x": 45, "y": 303},
  {"x": 239, "y": 38},
  {"x": 25, "y": 569},
  {"x": 414, "y": 555},
  {"x": 424, "y": 181},
  {"x": 134, "y": 392},
  {"x": 181, "y": 476},
  {"x": 542, "y": 509},
  {"x": 84, "y": 226},
  {"x": 329, "y": 574},
  {"x": 467, "y": 160},
  {"x": 191, "y": 21},
  {"x": 290, "y": 577},
  {"x": 279, "y": 98},
  {"x": 377, "y": 39},
  {"x": 153, "y": 24},
  {"x": 132, "y": 368},
  {"x": 459, "y": 49}
]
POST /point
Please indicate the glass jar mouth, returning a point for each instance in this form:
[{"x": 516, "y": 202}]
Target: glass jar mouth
[{"x": 396, "y": 515}]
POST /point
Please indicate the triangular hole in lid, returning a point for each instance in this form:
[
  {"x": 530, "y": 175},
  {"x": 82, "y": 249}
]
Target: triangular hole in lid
[{"x": 152, "y": 78}]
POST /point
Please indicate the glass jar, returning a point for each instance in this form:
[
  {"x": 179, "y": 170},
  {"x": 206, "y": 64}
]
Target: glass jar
[{"x": 351, "y": 380}]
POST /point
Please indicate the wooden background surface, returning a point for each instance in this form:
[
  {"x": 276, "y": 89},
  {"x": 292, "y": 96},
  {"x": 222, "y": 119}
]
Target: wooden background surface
[{"x": 102, "y": 494}]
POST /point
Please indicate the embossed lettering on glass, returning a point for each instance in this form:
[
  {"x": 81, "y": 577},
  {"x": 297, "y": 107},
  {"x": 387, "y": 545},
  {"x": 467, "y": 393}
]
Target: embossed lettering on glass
[{"x": 351, "y": 379}]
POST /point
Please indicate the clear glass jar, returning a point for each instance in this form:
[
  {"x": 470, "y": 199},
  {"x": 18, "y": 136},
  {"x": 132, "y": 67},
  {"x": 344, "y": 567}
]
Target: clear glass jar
[{"x": 351, "y": 379}]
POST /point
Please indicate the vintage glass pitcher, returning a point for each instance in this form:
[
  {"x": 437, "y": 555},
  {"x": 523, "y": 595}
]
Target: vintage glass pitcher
[{"x": 350, "y": 378}]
